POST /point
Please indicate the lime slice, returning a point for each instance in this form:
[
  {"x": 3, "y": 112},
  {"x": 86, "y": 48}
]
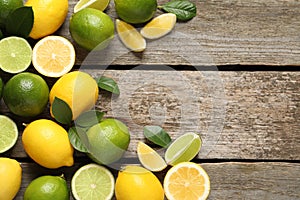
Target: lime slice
[
  {"x": 8, "y": 133},
  {"x": 15, "y": 54},
  {"x": 93, "y": 181},
  {"x": 97, "y": 4},
  {"x": 149, "y": 158},
  {"x": 183, "y": 149}
]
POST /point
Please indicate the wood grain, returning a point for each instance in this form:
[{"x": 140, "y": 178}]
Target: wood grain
[
  {"x": 230, "y": 180},
  {"x": 249, "y": 32},
  {"x": 240, "y": 115}
]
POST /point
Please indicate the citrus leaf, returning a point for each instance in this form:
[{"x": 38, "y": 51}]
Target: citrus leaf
[
  {"x": 75, "y": 139},
  {"x": 157, "y": 135},
  {"x": 20, "y": 22},
  {"x": 89, "y": 118},
  {"x": 61, "y": 111},
  {"x": 183, "y": 9},
  {"x": 108, "y": 84},
  {"x": 1, "y": 34}
]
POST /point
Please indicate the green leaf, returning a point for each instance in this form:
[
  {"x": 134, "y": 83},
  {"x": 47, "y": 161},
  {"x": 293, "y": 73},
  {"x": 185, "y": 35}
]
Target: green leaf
[
  {"x": 183, "y": 9},
  {"x": 108, "y": 84},
  {"x": 20, "y": 22},
  {"x": 1, "y": 34},
  {"x": 61, "y": 111},
  {"x": 76, "y": 141},
  {"x": 89, "y": 118},
  {"x": 157, "y": 135}
]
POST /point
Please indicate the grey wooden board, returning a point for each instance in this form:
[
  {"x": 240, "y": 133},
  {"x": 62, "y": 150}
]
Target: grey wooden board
[
  {"x": 240, "y": 115},
  {"x": 229, "y": 180},
  {"x": 249, "y": 32}
]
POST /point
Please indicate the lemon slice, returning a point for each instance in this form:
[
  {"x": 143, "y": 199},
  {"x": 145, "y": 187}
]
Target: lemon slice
[
  {"x": 149, "y": 158},
  {"x": 15, "y": 54},
  {"x": 183, "y": 149},
  {"x": 186, "y": 180},
  {"x": 97, "y": 4},
  {"x": 53, "y": 56},
  {"x": 92, "y": 181},
  {"x": 130, "y": 37},
  {"x": 159, "y": 26},
  {"x": 8, "y": 133}
]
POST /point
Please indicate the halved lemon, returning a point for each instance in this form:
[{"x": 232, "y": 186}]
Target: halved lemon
[
  {"x": 130, "y": 37},
  {"x": 159, "y": 26},
  {"x": 187, "y": 180},
  {"x": 149, "y": 158},
  {"x": 97, "y": 4},
  {"x": 53, "y": 56}
]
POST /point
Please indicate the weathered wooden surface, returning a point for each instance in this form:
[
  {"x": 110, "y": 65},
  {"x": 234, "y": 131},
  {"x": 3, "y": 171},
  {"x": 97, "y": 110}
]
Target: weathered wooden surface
[
  {"x": 240, "y": 115},
  {"x": 249, "y": 32},
  {"x": 230, "y": 180}
]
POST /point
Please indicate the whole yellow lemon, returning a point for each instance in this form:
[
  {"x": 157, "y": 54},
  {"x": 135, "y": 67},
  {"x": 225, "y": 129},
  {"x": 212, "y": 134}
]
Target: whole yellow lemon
[
  {"x": 47, "y": 143},
  {"x": 10, "y": 176},
  {"x": 49, "y": 15},
  {"x": 136, "y": 183},
  {"x": 78, "y": 89}
]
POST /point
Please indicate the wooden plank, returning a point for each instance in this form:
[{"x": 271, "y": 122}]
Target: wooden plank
[
  {"x": 231, "y": 180},
  {"x": 240, "y": 115},
  {"x": 249, "y": 32}
]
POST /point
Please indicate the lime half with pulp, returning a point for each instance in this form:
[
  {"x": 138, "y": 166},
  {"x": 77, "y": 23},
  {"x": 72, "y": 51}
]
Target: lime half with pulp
[
  {"x": 15, "y": 54},
  {"x": 183, "y": 149},
  {"x": 8, "y": 133},
  {"x": 93, "y": 181},
  {"x": 96, "y": 4}
]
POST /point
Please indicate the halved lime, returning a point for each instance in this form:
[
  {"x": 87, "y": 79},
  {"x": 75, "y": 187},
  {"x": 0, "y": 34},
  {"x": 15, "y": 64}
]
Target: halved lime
[
  {"x": 149, "y": 158},
  {"x": 183, "y": 149},
  {"x": 8, "y": 133},
  {"x": 97, "y": 4},
  {"x": 91, "y": 182},
  {"x": 15, "y": 54}
]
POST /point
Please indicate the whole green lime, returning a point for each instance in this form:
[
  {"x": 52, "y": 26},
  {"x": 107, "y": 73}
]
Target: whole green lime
[
  {"x": 108, "y": 140},
  {"x": 47, "y": 188},
  {"x": 7, "y": 7},
  {"x": 26, "y": 94},
  {"x": 135, "y": 11},
  {"x": 1, "y": 87},
  {"x": 91, "y": 29}
]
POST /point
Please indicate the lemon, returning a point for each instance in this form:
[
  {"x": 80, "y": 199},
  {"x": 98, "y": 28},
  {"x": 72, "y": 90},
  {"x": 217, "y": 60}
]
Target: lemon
[
  {"x": 130, "y": 37},
  {"x": 49, "y": 15},
  {"x": 108, "y": 140},
  {"x": 26, "y": 94},
  {"x": 47, "y": 143},
  {"x": 136, "y": 183},
  {"x": 187, "y": 180},
  {"x": 149, "y": 158},
  {"x": 47, "y": 188},
  {"x": 10, "y": 176},
  {"x": 183, "y": 149},
  {"x": 8, "y": 133},
  {"x": 93, "y": 181},
  {"x": 7, "y": 7},
  {"x": 97, "y": 4},
  {"x": 159, "y": 26},
  {"x": 78, "y": 89},
  {"x": 135, "y": 11},
  {"x": 91, "y": 29}
]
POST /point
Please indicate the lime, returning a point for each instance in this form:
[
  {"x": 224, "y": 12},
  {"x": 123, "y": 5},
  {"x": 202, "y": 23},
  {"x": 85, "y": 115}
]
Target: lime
[
  {"x": 47, "y": 188},
  {"x": 15, "y": 54},
  {"x": 183, "y": 149},
  {"x": 97, "y": 4},
  {"x": 26, "y": 94},
  {"x": 91, "y": 182},
  {"x": 7, "y": 7},
  {"x": 1, "y": 87},
  {"x": 108, "y": 140},
  {"x": 91, "y": 29},
  {"x": 149, "y": 158},
  {"x": 8, "y": 133},
  {"x": 135, "y": 11}
]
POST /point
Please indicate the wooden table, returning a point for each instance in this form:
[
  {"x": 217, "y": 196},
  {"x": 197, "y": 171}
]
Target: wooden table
[{"x": 231, "y": 73}]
